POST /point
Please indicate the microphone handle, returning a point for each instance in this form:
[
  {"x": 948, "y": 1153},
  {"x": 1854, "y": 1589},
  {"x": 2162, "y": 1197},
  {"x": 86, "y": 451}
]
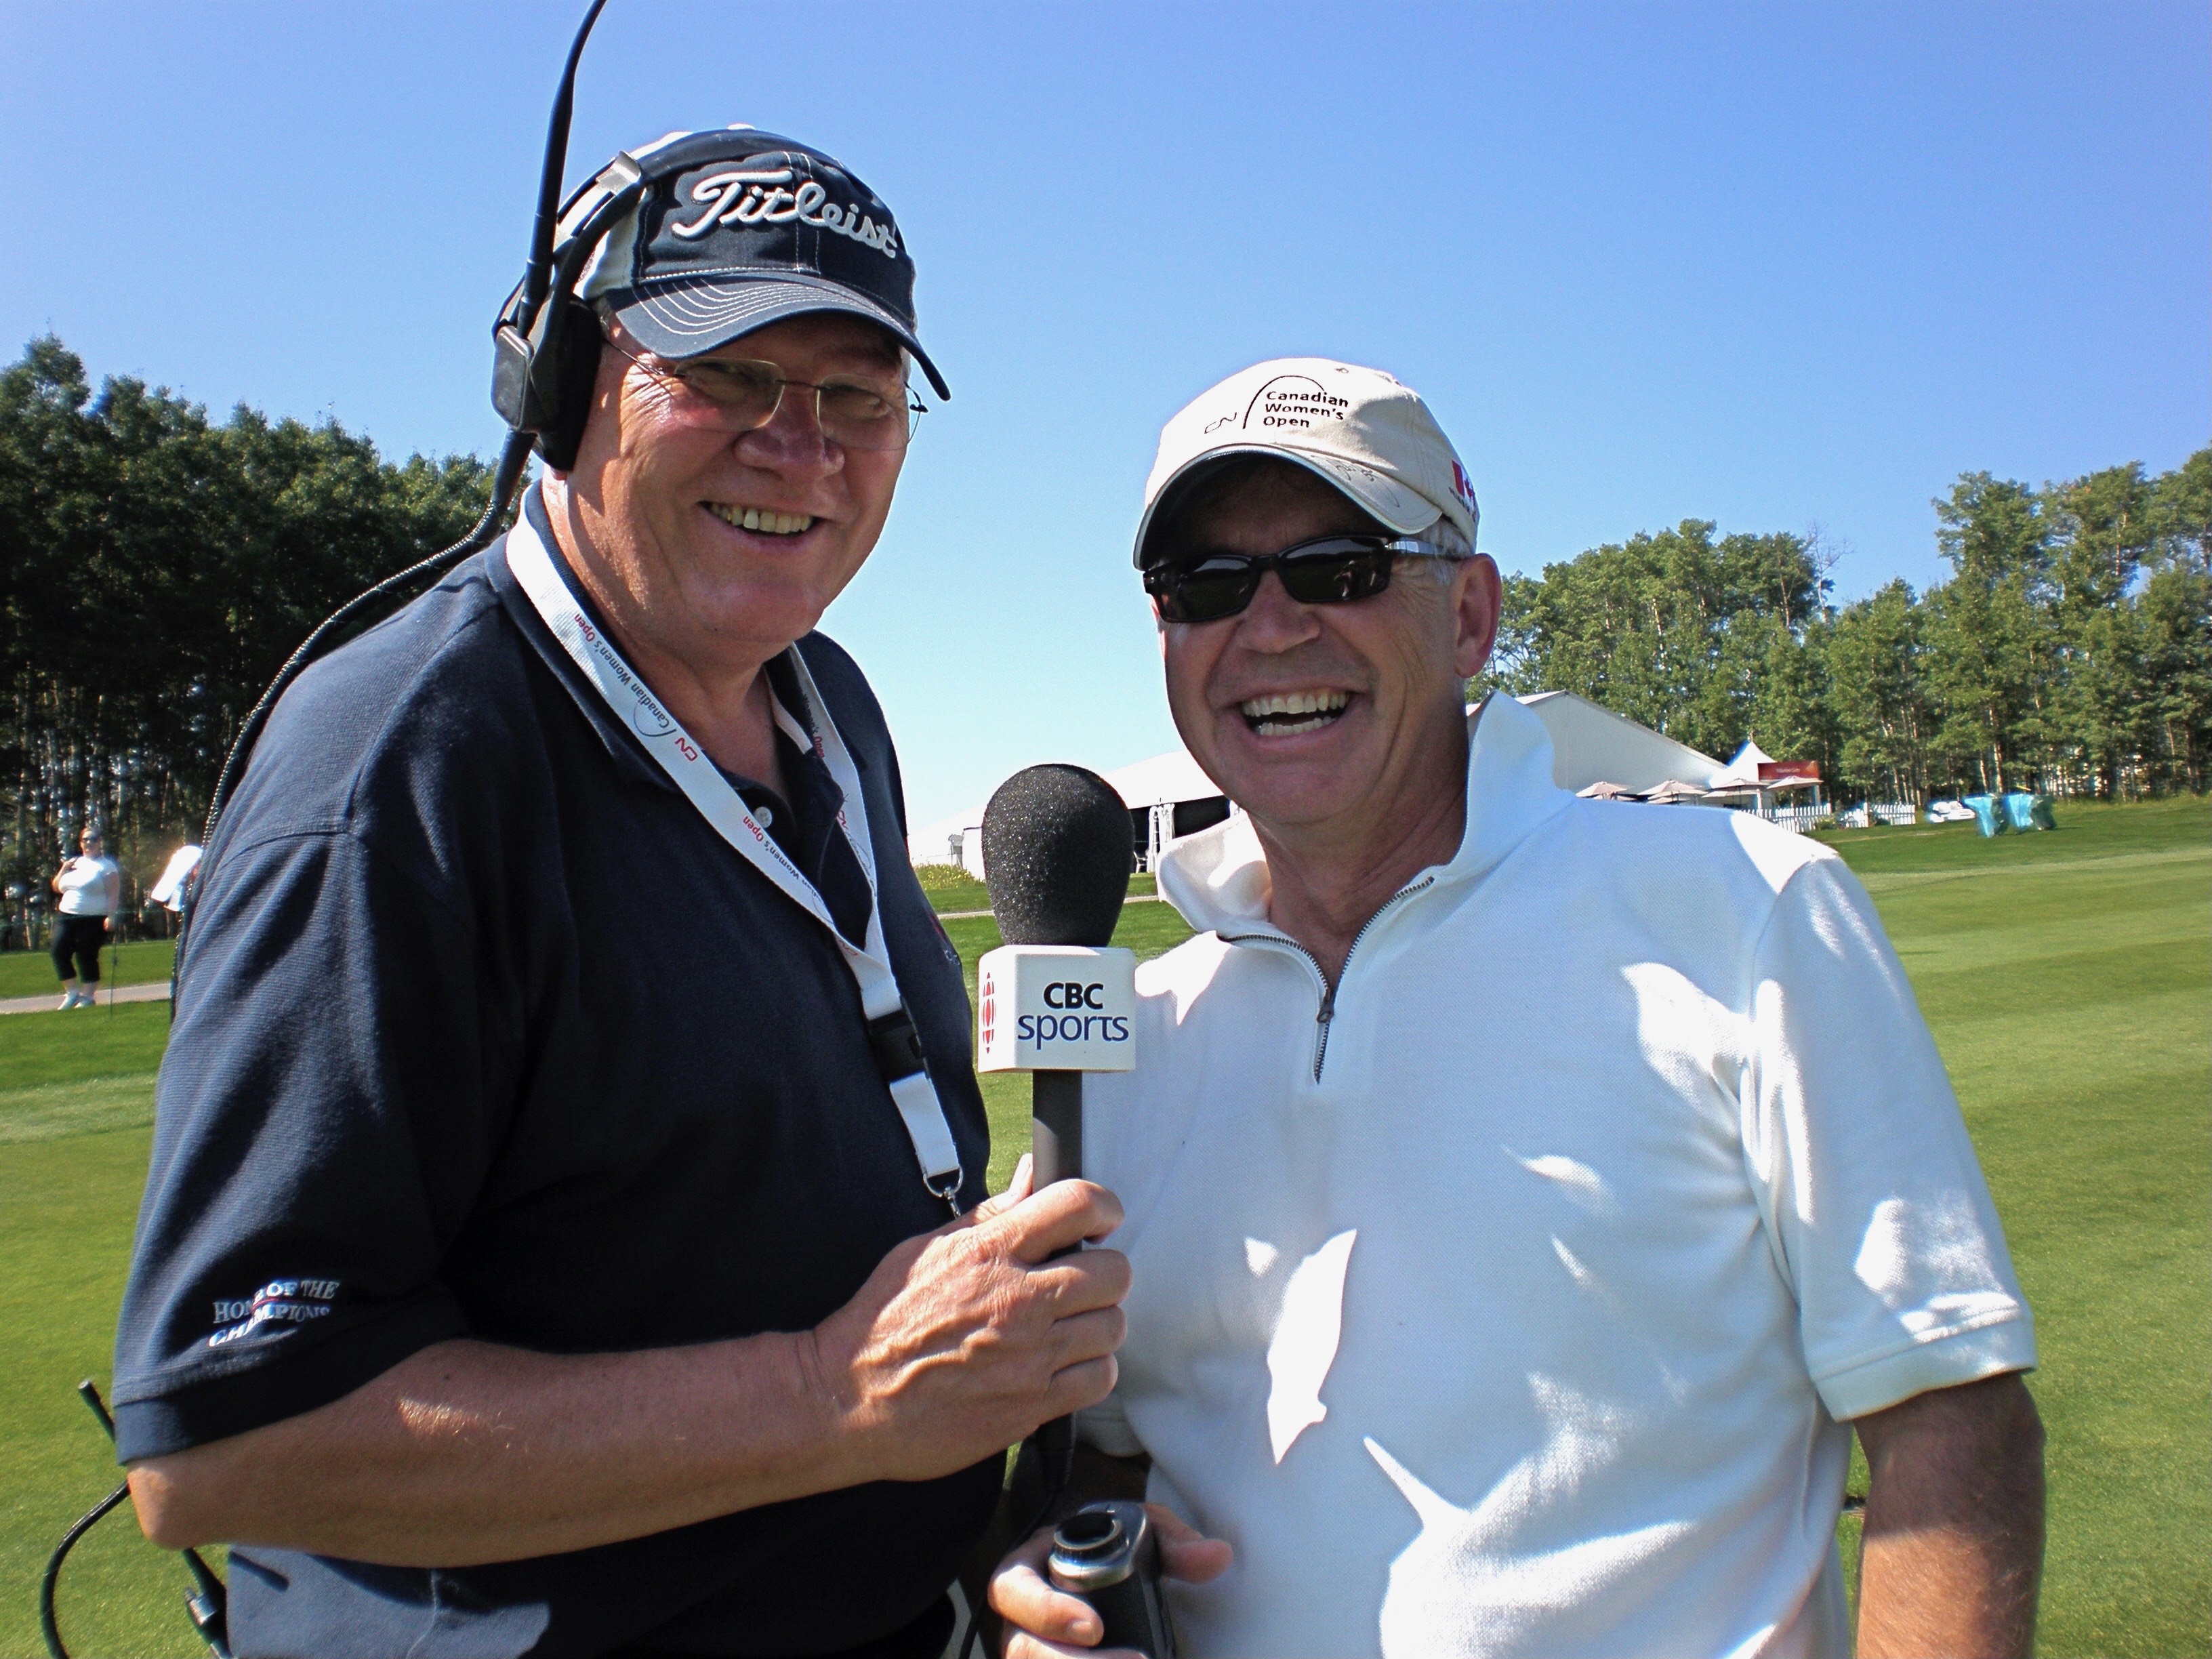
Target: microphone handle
[
  {"x": 1056, "y": 1126},
  {"x": 1056, "y": 1152}
]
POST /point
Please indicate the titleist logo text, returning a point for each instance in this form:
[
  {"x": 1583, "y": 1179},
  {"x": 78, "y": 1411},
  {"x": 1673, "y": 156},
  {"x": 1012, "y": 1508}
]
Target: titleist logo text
[{"x": 759, "y": 196}]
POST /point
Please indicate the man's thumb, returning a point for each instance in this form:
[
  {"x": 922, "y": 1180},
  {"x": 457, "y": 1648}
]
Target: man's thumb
[{"x": 1017, "y": 1189}]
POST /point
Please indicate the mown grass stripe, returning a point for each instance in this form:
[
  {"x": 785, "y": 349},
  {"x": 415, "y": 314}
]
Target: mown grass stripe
[{"x": 94, "y": 1106}]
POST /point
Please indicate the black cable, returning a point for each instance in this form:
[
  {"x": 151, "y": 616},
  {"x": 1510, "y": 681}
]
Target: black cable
[
  {"x": 209, "y": 1602},
  {"x": 509, "y": 473},
  {"x": 207, "y": 1605},
  {"x": 537, "y": 279},
  {"x": 85, "y": 1524}
]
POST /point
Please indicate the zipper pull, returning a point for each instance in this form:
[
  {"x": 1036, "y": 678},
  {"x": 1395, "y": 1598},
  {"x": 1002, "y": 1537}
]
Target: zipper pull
[{"x": 1322, "y": 1018}]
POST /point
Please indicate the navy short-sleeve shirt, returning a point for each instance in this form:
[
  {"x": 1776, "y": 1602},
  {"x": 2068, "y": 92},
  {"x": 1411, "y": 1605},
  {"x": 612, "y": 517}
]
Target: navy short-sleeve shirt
[{"x": 482, "y": 1029}]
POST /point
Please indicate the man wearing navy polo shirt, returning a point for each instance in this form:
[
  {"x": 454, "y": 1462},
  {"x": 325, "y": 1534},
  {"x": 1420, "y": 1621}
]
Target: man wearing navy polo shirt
[{"x": 549, "y": 1246}]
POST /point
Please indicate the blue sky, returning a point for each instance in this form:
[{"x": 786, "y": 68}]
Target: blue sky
[{"x": 1783, "y": 266}]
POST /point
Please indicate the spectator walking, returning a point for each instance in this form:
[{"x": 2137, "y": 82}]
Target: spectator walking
[{"x": 91, "y": 889}]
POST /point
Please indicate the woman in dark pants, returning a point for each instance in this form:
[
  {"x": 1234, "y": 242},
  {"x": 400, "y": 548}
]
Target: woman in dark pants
[{"x": 91, "y": 886}]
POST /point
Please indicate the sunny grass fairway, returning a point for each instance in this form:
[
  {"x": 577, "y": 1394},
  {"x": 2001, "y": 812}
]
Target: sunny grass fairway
[
  {"x": 76, "y": 1092},
  {"x": 2067, "y": 978}
]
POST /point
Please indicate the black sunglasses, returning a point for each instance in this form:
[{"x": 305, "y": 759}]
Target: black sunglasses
[{"x": 1326, "y": 570}]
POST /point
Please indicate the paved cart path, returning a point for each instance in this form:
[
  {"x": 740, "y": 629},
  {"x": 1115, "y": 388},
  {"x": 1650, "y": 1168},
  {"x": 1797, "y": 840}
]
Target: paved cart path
[{"x": 49, "y": 1002}]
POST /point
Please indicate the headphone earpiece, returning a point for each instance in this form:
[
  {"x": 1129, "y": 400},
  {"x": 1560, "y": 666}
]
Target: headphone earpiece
[
  {"x": 545, "y": 351},
  {"x": 573, "y": 378}
]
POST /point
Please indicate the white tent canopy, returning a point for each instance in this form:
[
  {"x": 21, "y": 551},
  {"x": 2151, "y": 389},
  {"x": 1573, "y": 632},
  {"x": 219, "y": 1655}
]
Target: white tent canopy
[
  {"x": 1168, "y": 780},
  {"x": 1744, "y": 768},
  {"x": 1174, "y": 777},
  {"x": 1591, "y": 745}
]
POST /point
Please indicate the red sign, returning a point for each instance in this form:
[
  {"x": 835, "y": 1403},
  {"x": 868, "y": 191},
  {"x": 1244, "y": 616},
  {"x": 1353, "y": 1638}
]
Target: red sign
[{"x": 1789, "y": 771}]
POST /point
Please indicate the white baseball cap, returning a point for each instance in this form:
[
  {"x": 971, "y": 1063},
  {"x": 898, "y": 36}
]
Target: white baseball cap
[{"x": 1356, "y": 428}]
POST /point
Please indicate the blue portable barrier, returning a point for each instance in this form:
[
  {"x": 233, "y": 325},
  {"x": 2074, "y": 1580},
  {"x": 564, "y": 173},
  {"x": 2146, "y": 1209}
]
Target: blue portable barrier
[
  {"x": 1987, "y": 813},
  {"x": 2020, "y": 813}
]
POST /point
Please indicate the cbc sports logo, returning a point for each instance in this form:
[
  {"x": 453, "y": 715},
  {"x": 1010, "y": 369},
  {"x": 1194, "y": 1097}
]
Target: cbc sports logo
[
  {"x": 281, "y": 1301},
  {"x": 737, "y": 197},
  {"x": 1070, "y": 1020}
]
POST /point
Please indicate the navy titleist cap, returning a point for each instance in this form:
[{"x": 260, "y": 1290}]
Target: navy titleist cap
[{"x": 740, "y": 228}]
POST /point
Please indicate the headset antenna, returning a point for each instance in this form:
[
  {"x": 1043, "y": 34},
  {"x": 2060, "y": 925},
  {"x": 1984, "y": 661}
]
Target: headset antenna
[{"x": 538, "y": 276}]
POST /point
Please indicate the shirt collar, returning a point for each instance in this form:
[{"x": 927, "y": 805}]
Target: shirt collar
[{"x": 1218, "y": 879}]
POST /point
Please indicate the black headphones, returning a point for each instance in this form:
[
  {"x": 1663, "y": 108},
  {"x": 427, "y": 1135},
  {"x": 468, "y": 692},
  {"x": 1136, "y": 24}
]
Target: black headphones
[{"x": 545, "y": 353}]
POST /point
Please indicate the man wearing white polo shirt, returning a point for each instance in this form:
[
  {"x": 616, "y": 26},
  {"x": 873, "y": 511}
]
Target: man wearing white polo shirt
[{"x": 1528, "y": 1198}]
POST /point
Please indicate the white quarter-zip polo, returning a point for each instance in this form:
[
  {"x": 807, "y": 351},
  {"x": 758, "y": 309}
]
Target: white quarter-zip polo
[{"x": 1505, "y": 1298}]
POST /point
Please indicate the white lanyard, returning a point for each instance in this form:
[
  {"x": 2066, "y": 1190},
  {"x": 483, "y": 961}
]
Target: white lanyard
[{"x": 688, "y": 768}]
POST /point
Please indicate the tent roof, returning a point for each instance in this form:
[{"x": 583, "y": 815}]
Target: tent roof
[
  {"x": 1592, "y": 745},
  {"x": 1750, "y": 758},
  {"x": 1744, "y": 768},
  {"x": 1174, "y": 777}
]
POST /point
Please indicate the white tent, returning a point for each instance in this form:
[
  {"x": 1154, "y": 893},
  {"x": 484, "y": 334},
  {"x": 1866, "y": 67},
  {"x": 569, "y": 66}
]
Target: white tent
[
  {"x": 1591, "y": 745},
  {"x": 1172, "y": 777},
  {"x": 1743, "y": 770},
  {"x": 1755, "y": 780},
  {"x": 1152, "y": 789}
]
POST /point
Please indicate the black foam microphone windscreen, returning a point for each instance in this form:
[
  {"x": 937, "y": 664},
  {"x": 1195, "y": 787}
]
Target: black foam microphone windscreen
[{"x": 1056, "y": 853}]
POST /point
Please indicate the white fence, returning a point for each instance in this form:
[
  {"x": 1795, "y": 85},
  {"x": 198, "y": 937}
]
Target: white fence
[
  {"x": 1800, "y": 818},
  {"x": 1900, "y": 814}
]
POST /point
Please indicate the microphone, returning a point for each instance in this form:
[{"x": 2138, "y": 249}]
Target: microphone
[
  {"x": 1055, "y": 999},
  {"x": 1057, "y": 846}
]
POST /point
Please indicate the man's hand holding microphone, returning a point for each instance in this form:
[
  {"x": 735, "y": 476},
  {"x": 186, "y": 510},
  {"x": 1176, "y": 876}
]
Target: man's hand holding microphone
[{"x": 964, "y": 1339}]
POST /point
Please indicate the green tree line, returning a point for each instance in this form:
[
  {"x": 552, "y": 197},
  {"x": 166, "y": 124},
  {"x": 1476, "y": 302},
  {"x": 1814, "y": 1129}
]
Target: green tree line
[
  {"x": 2069, "y": 650},
  {"x": 156, "y": 566},
  {"x": 155, "y": 569}
]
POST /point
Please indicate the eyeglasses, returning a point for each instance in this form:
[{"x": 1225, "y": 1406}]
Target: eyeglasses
[
  {"x": 1326, "y": 570},
  {"x": 735, "y": 394}
]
